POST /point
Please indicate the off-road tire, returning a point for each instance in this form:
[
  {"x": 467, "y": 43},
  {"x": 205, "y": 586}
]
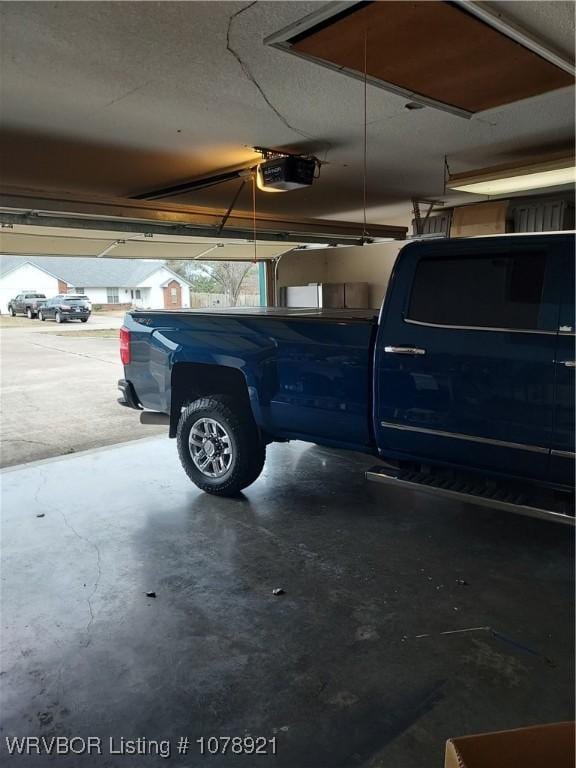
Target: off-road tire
[{"x": 248, "y": 450}]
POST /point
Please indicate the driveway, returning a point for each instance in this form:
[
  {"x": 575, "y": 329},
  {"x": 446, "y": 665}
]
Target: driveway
[{"x": 58, "y": 389}]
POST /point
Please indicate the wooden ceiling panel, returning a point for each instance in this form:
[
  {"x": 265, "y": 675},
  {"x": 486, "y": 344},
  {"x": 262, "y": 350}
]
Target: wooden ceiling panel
[{"x": 434, "y": 49}]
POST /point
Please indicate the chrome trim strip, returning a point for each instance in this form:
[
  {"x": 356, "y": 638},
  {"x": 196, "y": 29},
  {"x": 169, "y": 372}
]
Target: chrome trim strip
[
  {"x": 542, "y": 514},
  {"x": 469, "y": 438},
  {"x": 564, "y": 454},
  {"x": 405, "y": 350},
  {"x": 478, "y": 328}
]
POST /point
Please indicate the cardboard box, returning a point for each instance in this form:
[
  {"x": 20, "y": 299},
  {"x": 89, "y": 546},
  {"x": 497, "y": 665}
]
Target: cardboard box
[
  {"x": 540, "y": 746},
  {"x": 480, "y": 219}
]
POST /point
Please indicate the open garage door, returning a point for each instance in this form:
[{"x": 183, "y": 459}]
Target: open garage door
[
  {"x": 40, "y": 225},
  {"x": 72, "y": 257},
  {"x": 29, "y": 240},
  {"x": 32, "y": 209}
]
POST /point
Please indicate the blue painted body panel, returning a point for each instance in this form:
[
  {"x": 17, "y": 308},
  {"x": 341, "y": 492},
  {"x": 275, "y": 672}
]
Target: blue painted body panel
[
  {"x": 307, "y": 377},
  {"x": 561, "y": 463},
  {"x": 323, "y": 376},
  {"x": 488, "y": 384}
]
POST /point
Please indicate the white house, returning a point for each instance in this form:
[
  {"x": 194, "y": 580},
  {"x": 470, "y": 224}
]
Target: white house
[{"x": 106, "y": 282}]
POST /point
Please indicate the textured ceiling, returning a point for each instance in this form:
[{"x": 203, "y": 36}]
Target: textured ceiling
[{"x": 117, "y": 98}]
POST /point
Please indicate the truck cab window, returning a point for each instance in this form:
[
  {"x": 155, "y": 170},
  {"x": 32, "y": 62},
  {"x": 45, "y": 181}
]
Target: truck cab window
[{"x": 497, "y": 291}]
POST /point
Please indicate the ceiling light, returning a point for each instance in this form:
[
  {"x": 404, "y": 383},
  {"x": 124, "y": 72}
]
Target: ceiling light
[{"x": 504, "y": 180}]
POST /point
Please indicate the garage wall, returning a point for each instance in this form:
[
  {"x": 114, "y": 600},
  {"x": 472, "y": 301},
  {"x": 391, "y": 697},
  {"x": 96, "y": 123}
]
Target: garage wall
[
  {"x": 302, "y": 267},
  {"x": 25, "y": 278},
  {"x": 370, "y": 264}
]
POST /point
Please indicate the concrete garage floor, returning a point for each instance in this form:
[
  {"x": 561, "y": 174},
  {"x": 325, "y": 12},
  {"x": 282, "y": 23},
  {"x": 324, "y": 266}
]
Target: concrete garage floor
[
  {"x": 348, "y": 668},
  {"x": 58, "y": 389}
]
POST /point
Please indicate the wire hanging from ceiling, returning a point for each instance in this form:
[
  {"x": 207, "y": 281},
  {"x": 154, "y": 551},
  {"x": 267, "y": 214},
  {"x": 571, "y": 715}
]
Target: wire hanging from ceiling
[
  {"x": 365, "y": 148},
  {"x": 254, "y": 212}
]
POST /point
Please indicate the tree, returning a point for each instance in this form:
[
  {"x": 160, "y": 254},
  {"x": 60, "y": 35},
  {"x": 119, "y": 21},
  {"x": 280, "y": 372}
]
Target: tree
[{"x": 225, "y": 277}]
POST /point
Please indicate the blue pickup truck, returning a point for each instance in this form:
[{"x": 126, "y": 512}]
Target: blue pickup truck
[{"x": 463, "y": 382}]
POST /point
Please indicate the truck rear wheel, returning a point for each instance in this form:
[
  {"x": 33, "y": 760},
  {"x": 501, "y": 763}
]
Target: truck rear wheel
[{"x": 219, "y": 445}]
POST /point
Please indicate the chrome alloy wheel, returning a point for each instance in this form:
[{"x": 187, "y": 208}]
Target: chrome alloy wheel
[{"x": 210, "y": 447}]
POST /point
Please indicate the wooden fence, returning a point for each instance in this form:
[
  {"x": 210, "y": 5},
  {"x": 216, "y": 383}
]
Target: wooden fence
[{"x": 205, "y": 300}]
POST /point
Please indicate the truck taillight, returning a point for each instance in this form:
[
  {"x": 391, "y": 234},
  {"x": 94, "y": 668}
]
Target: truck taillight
[{"x": 124, "y": 345}]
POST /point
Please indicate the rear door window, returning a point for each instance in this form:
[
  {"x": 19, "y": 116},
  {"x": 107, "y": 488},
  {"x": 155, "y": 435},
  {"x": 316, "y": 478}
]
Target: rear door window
[{"x": 492, "y": 291}]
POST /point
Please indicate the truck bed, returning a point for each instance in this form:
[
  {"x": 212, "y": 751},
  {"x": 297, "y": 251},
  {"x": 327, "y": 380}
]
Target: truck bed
[
  {"x": 362, "y": 315},
  {"x": 305, "y": 372}
]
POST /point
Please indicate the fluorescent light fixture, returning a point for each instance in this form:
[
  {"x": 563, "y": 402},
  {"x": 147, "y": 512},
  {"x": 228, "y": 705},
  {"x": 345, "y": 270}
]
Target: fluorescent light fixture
[{"x": 507, "y": 179}]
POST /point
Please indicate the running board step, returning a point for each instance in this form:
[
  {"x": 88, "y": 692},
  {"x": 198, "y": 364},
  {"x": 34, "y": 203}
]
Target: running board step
[{"x": 469, "y": 491}]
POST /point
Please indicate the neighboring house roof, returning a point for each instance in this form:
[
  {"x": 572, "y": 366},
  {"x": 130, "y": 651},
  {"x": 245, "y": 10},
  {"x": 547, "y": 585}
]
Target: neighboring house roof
[
  {"x": 171, "y": 279},
  {"x": 90, "y": 272},
  {"x": 173, "y": 276},
  {"x": 12, "y": 263}
]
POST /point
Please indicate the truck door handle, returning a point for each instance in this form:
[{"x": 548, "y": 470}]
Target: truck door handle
[
  {"x": 569, "y": 363},
  {"x": 405, "y": 350}
]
